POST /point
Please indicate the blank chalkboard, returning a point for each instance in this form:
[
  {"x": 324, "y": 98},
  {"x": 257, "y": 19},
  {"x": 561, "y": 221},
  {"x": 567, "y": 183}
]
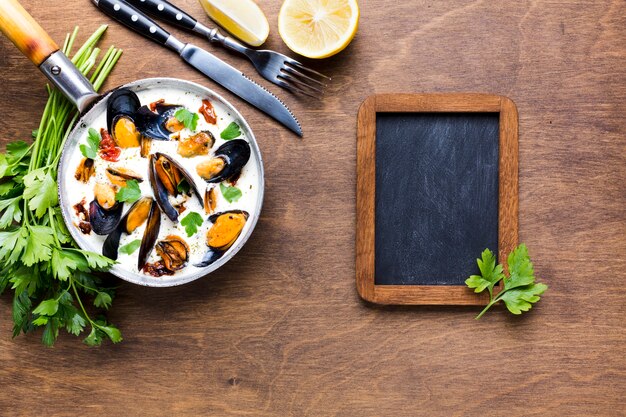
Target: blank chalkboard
[
  {"x": 436, "y": 196},
  {"x": 436, "y": 185}
]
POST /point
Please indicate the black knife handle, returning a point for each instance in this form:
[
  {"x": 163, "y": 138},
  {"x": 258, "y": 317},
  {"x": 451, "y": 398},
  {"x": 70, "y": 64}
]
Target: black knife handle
[
  {"x": 134, "y": 19},
  {"x": 166, "y": 11}
]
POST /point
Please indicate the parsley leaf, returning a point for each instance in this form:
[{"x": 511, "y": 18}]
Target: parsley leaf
[
  {"x": 47, "y": 307},
  {"x": 130, "y": 193},
  {"x": 231, "y": 194},
  {"x": 490, "y": 273},
  {"x": 520, "y": 290},
  {"x": 12, "y": 211},
  {"x": 191, "y": 222},
  {"x": 103, "y": 300},
  {"x": 131, "y": 247},
  {"x": 41, "y": 192},
  {"x": 90, "y": 150},
  {"x": 38, "y": 246},
  {"x": 232, "y": 131},
  {"x": 189, "y": 119}
]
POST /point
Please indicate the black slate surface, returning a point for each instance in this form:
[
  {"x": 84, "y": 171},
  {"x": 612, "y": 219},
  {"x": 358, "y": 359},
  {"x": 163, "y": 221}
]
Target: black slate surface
[{"x": 436, "y": 196}]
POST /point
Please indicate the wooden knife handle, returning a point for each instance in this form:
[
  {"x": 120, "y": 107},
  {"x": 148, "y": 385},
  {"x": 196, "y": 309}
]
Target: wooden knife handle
[{"x": 21, "y": 29}]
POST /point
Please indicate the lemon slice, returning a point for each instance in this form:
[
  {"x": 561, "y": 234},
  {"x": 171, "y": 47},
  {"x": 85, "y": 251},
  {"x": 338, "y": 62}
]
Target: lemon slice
[
  {"x": 318, "y": 28},
  {"x": 244, "y": 19}
]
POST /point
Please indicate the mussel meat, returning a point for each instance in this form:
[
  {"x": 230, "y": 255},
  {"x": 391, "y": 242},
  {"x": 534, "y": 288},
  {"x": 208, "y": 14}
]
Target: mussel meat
[
  {"x": 168, "y": 178},
  {"x": 198, "y": 144},
  {"x": 144, "y": 209},
  {"x": 227, "y": 163},
  {"x": 119, "y": 176},
  {"x": 226, "y": 228},
  {"x": 160, "y": 124},
  {"x": 174, "y": 251},
  {"x": 85, "y": 170},
  {"x": 210, "y": 200},
  {"x": 104, "y": 211},
  {"x": 122, "y": 106},
  {"x": 134, "y": 217}
]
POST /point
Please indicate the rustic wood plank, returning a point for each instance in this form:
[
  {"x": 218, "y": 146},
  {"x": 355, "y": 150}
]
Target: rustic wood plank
[{"x": 281, "y": 331}]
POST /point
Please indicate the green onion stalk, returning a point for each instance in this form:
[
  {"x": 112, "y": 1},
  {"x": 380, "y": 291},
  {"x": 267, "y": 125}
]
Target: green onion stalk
[{"x": 50, "y": 276}]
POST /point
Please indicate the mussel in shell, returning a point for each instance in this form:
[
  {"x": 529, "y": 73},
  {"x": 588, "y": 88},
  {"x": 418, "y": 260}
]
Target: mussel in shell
[
  {"x": 210, "y": 200},
  {"x": 222, "y": 234},
  {"x": 174, "y": 252},
  {"x": 198, "y": 144},
  {"x": 85, "y": 170},
  {"x": 158, "y": 124},
  {"x": 168, "y": 178},
  {"x": 104, "y": 211},
  {"x": 122, "y": 106},
  {"x": 143, "y": 210},
  {"x": 119, "y": 176},
  {"x": 227, "y": 163}
]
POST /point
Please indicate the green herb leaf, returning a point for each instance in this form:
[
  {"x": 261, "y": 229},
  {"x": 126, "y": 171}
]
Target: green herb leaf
[
  {"x": 520, "y": 290},
  {"x": 131, "y": 247},
  {"x": 39, "y": 245},
  {"x": 47, "y": 307},
  {"x": 11, "y": 211},
  {"x": 231, "y": 194},
  {"x": 490, "y": 273},
  {"x": 191, "y": 222},
  {"x": 50, "y": 332},
  {"x": 94, "y": 338},
  {"x": 130, "y": 193},
  {"x": 103, "y": 300},
  {"x": 183, "y": 187},
  {"x": 96, "y": 261},
  {"x": 90, "y": 150},
  {"x": 520, "y": 269},
  {"x": 189, "y": 119},
  {"x": 114, "y": 334},
  {"x": 521, "y": 298},
  {"x": 76, "y": 323},
  {"x": 232, "y": 131},
  {"x": 17, "y": 150},
  {"x": 41, "y": 191},
  {"x": 12, "y": 243},
  {"x": 34, "y": 133}
]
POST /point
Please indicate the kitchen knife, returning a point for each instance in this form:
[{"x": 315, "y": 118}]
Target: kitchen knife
[{"x": 205, "y": 62}]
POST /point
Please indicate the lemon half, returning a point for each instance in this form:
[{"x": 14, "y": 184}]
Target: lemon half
[
  {"x": 244, "y": 19},
  {"x": 318, "y": 28}
]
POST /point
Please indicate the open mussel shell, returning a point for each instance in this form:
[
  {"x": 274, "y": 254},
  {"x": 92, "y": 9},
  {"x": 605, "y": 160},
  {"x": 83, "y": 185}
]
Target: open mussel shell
[
  {"x": 229, "y": 160},
  {"x": 174, "y": 251},
  {"x": 150, "y": 236},
  {"x": 103, "y": 220},
  {"x": 223, "y": 233},
  {"x": 165, "y": 177},
  {"x": 134, "y": 217},
  {"x": 119, "y": 176},
  {"x": 122, "y": 106},
  {"x": 155, "y": 124}
]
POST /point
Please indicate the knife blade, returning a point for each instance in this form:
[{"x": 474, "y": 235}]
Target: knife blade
[
  {"x": 205, "y": 62},
  {"x": 235, "y": 81}
]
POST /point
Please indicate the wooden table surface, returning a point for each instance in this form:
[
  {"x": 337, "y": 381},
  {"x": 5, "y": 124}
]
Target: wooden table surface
[{"x": 281, "y": 331}]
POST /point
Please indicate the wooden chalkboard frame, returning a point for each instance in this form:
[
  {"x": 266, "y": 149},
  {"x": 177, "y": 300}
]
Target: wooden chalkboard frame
[{"x": 508, "y": 205}]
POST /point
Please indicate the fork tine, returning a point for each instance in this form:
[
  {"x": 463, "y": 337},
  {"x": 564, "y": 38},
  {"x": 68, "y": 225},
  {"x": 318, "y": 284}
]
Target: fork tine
[
  {"x": 302, "y": 77},
  {"x": 302, "y": 67},
  {"x": 300, "y": 83},
  {"x": 293, "y": 88}
]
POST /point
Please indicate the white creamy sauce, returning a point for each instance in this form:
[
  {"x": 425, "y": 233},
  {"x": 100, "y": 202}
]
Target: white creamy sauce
[{"x": 130, "y": 158}]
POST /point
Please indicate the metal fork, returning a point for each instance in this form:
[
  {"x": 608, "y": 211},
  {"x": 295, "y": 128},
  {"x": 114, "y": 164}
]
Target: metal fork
[{"x": 273, "y": 66}]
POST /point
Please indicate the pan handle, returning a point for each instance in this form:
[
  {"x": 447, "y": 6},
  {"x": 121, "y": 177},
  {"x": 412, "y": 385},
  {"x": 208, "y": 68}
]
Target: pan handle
[
  {"x": 25, "y": 33},
  {"x": 30, "y": 38}
]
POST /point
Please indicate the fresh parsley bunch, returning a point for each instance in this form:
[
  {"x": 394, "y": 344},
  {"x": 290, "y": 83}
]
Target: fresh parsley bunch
[
  {"x": 520, "y": 290},
  {"x": 39, "y": 261}
]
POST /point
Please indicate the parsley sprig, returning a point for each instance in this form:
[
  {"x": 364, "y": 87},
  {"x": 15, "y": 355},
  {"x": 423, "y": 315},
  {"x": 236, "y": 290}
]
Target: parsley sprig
[
  {"x": 520, "y": 290},
  {"x": 231, "y": 194},
  {"x": 232, "y": 131},
  {"x": 39, "y": 262},
  {"x": 191, "y": 222},
  {"x": 90, "y": 150},
  {"x": 187, "y": 118}
]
